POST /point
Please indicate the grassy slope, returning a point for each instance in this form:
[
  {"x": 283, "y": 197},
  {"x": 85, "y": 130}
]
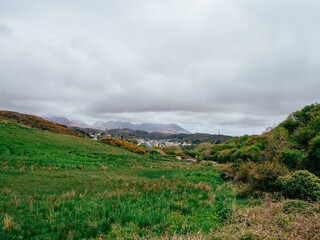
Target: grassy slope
[
  {"x": 39, "y": 123},
  {"x": 59, "y": 186}
]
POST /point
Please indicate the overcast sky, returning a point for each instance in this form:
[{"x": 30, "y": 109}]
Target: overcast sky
[{"x": 237, "y": 66}]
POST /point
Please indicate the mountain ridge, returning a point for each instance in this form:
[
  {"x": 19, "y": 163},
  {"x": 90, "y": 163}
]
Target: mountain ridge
[{"x": 101, "y": 125}]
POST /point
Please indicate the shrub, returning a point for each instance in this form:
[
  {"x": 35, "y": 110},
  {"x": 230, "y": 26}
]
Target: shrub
[
  {"x": 292, "y": 158},
  {"x": 119, "y": 143},
  {"x": 154, "y": 152},
  {"x": 302, "y": 136},
  {"x": 190, "y": 153},
  {"x": 205, "y": 153},
  {"x": 247, "y": 153},
  {"x": 205, "y": 145},
  {"x": 171, "y": 153},
  {"x": 261, "y": 175},
  {"x": 312, "y": 163},
  {"x": 172, "y": 148},
  {"x": 302, "y": 184},
  {"x": 290, "y": 125},
  {"x": 143, "y": 146}
]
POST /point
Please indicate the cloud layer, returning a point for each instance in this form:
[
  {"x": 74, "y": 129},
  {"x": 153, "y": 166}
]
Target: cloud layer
[{"x": 231, "y": 65}]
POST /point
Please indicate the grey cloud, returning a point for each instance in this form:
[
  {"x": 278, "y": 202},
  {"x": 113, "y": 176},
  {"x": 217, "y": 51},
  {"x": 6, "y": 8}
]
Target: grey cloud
[{"x": 237, "y": 66}]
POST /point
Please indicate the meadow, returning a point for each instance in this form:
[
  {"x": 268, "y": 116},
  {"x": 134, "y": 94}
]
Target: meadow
[{"x": 55, "y": 186}]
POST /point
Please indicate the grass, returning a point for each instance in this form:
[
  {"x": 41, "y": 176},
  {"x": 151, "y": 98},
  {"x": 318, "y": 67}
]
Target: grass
[
  {"x": 55, "y": 186},
  {"x": 63, "y": 187}
]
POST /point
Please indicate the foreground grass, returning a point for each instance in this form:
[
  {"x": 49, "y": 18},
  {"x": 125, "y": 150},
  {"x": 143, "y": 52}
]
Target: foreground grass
[
  {"x": 130, "y": 205},
  {"x": 59, "y": 187}
]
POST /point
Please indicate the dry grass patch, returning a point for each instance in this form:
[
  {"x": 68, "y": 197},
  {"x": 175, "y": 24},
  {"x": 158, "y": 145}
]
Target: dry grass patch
[
  {"x": 68, "y": 195},
  {"x": 272, "y": 220},
  {"x": 5, "y": 191},
  {"x": 7, "y": 223},
  {"x": 202, "y": 186},
  {"x": 53, "y": 168}
]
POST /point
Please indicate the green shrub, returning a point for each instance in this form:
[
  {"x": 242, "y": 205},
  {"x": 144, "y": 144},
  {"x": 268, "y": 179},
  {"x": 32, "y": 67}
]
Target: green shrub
[
  {"x": 290, "y": 125},
  {"x": 247, "y": 153},
  {"x": 171, "y": 153},
  {"x": 190, "y": 153},
  {"x": 302, "y": 136},
  {"x": 292, "y": 158},
  {"x": 302, "y": 184},
  {"x": 172, "y": 149},
  {"x": 312, "y": 163},
  {"x": 261, "y": 175},
  {"x": 154, "y": 152},
  {"x": 143, "y": 146}
]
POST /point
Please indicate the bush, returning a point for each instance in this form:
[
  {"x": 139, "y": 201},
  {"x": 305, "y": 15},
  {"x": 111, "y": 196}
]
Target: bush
[
  {"x": 261, "y": 175},
  {"x": 190, "y": 153},
  {"x": 154, "y": 152},
  {"x": 119, "y": 143},
  {"x": 302, "y": 184},
  {"x": 171, "y": 153},
  {"x": 143, "y": 146},
  {"x": 312, "y": 163},
  {"x": 292, "y": 158},
  {"x": 172, "y": 148},
  {"x": 247, "y": 153},
  {"x": 302, "y": 136},
  {"x": 290, "y": 125}
]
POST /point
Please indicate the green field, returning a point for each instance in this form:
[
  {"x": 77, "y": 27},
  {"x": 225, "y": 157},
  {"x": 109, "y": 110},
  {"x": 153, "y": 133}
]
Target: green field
[{"x": 55, "y": 186}]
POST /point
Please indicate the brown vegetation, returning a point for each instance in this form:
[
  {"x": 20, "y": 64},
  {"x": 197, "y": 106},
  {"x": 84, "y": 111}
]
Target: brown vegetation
[
  {"x": 37, "y": 122},
  {"x": 123, "y": 144}
]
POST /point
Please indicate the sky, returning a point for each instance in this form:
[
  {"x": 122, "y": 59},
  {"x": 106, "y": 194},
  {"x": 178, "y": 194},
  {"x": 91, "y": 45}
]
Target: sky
[{"x": 234, "y": 66}]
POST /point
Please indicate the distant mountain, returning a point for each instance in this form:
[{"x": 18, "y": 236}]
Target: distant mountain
[
  {"x": 113, "y": 125},
  {"x": 148, "y": 127},
  {"x": 66, "y": 122}
]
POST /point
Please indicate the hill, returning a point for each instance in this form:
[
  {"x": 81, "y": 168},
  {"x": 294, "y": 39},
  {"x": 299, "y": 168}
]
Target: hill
[
  {"x": 102, "y": 126},
  {"x": 294, "y": 142},
  {"x": 66, "y": 122},
  {"x": 37, "y": 122}
]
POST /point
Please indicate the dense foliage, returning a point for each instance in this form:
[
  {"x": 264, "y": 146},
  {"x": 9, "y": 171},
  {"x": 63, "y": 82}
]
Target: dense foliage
[
  {"x": 295, "y": 142},
  {"x": 302, "y": 184},
  {"x": 123, "y": 144},
  {"x": 37, "y": 122}
]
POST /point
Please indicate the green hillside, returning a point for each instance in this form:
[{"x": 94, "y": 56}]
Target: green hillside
[
  {"x": 294, "y": 142},
  {"x": 39, "y": 123},
  {"x": 55, "y": 186}
]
